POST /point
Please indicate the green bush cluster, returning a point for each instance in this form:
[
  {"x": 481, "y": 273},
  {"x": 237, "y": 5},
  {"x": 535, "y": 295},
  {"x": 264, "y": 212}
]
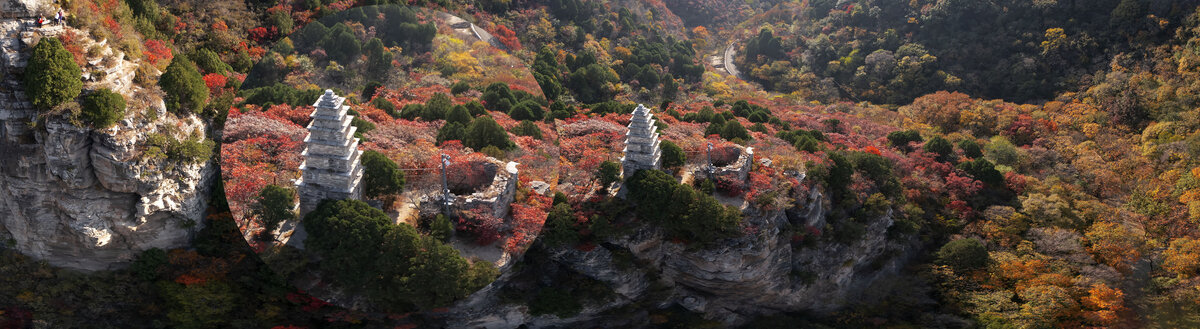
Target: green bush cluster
[
  {"x": 963, "y": 255},
  {"x": 274, "y": 205},
  {"x": 192, "y": 150},
  {"x": 381, "y": 176},
  {"x": 103, "y": 108},
  {"x": 183, "y": 87},
  {"x": 395, "y": 267},
  {"x": 678, "y": 208},
  {"x": 51, "y": 75}
]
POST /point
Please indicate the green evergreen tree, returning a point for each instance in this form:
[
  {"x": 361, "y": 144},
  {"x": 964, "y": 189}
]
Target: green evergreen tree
[
  {"x": 807, "y": 143},
  {"x": 459, "y": 88},
  {"x": 51, "y": 75},
  {"x": 209, "y": 62},
  {"x": 560, "y": 227},
  {"x": 274, "y": 205},
  {"x": 970, "y": 148},
  {"x": 184, "y": 87},
  {"x": 484, "y": 132},
  {"x": 733, "y": 130},
  {"x": 441, "y": 228},
  {"x": 341, "y": 45},
  {"x": 381, "y": 176},
  {"x": 528, "y": 128},
  {"x": 103, "y": 108},
  {"x": 379, "y": 59},
  {"x": 900, "y": 139},
  {"x": 451, "y": 131},
  {"x": 610, "y": 172},
  {"x": 941, "y": 147},
  {"x": 672, "y": 155},
  {"x": 436, "y": 107},
  {"x": 494, "y": 94},
  {"x": 459, "y": 114},
  {"x": 963, "y": 255}
]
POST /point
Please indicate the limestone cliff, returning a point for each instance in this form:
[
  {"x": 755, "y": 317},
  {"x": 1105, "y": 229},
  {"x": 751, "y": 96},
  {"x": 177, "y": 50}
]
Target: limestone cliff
[
  {"x": 742, "y": 278},
  {"x": 85, "y": 198}
]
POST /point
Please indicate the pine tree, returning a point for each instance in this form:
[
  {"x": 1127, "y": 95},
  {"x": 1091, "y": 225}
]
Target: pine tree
[
  {"x": 184, "y": 87},
  {"x": 52, "y": 77},
  {"x": 381, "y": 176},
  {"x": 274, "y": 205},
  {"x": 103, "y": 108},
  {"x": 484, "y": 132},
  {"x": 459, "y": 114},
  {"x": 672, "y": 155}
]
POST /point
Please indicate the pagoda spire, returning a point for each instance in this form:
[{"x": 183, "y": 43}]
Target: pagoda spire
[
  {"x": 641, "y": 143},
  {"x": 331, "y": 168}
]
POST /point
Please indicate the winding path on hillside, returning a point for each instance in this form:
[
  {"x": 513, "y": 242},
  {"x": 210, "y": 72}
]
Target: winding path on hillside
[{"x": 729, "y": 66}]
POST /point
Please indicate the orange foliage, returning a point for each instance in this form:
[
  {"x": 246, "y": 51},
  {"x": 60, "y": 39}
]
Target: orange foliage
[{"x": 1104, "y": 305}]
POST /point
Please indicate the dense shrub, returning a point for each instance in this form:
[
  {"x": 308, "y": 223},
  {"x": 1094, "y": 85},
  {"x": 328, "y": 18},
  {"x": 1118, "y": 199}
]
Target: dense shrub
[
  {"x": 941, "y": 147},
  {"x": 610, "y": 172},
  {"x": 280, "y": 94},
  {"x": 684, "y": 213},
  {"x": 441, "y": 228},
  {"x": 397, "y": 268},
  {"x": 459, "y": 87},
  {"x": 963, "y": 255},
  {"x": 184, "y": 87},
  {"x": 103, "y": 108},
  {"x": 191, "y": 150},
  {"x": 436, "y": 107},
  {"x": 51, "y": 76},
  {"x": 484, "y": 132},
  {"x": 208, "y": 61},
  {"x": 527, "y": 128},
  {"x": 459, "y": 114},
  {"x": 274, "y": 205},
  {"x": 900, "y": 139},
  {"x": 451, "y": 131},
  {"x": 672, "y": 155},
  {"x": 381, "y": 176},
  {"x": 970, "y": 148},
  {"x": 560, "y": 229}
]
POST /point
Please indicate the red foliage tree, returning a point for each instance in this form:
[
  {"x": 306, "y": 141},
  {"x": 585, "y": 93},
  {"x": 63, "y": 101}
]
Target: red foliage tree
[
  {"x": 507, "y": 37},
  {"x": 480, "y": 223},
  {"x": 215, "y": 82},
  {"x": 156, "y": 51}
]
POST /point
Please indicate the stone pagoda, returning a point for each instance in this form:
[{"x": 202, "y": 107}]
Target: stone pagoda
[
  {"x": 331, "y": 168},
  {"x": 641, "y": 144}
]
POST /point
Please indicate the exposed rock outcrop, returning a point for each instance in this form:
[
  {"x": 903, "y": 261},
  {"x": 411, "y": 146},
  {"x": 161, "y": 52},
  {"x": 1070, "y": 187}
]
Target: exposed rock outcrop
[
  {"x": 757, "y": 274},
  {"x": 85, "y": 198}
]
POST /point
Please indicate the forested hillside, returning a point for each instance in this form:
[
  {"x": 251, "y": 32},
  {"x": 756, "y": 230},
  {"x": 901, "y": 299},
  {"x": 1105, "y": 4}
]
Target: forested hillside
[{"x": 927, "y": 163}]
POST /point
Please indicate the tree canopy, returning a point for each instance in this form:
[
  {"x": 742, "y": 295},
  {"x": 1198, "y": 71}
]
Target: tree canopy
[
  {"x": 51, "y": 76},
  {"x": 184, "y": 87},
  {"x": 381, "y": 176}
]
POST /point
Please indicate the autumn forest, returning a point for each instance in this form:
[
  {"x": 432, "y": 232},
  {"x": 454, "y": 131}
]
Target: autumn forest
[{"x": 819, "y": 163}]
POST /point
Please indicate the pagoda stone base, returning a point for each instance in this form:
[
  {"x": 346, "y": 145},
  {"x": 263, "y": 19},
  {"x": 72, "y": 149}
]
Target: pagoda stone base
[{"x": 311, "y": 197}]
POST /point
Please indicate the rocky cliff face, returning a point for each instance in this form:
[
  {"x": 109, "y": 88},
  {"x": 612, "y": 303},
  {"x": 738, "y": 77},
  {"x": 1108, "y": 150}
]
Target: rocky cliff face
[
  {"x": 84, "y": 198},
  {"x": 757, "y": 274}
]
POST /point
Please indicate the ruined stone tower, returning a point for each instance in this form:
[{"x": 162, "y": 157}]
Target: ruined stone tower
[
  {"x": 641, "y": 143},
  {"x": 331, "y": 167}
]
